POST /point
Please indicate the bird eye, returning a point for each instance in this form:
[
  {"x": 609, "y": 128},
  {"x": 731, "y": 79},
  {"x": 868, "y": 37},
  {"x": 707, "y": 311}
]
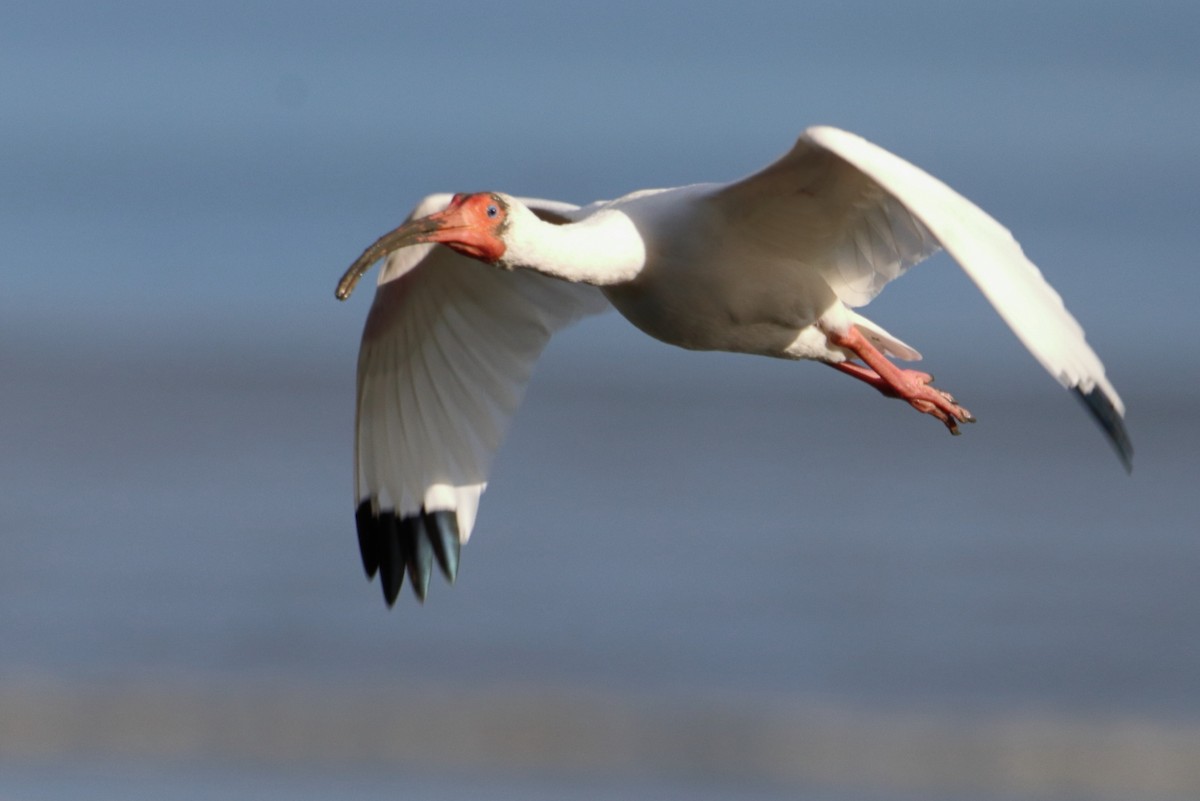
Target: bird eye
[{"x": 492, "y": 210}]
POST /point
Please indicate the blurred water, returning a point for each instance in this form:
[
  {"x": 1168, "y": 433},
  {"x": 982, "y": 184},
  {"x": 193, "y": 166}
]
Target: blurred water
[
  {"x": 181, "y": 188},
  {"x": 743, "y": 529},
  {"x": 134, "y": 782}
]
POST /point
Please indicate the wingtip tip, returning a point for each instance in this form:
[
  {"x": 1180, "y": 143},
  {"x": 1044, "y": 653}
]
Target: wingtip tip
[
  {"x": 1107, "y": 414},
  {"x": 441, "y": 526}
]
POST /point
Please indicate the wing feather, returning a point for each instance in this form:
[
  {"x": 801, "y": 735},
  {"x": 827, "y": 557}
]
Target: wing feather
[
  {"x": 447, "y": 350},
  {"x": 989, "y": 254},
  {"x": 832, "y": 217}
]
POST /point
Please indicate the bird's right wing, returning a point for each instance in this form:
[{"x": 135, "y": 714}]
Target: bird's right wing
[{"x": 446, "y": 353}]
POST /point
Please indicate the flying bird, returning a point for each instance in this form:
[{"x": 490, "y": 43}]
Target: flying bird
[{"x": 774, "y": 264}]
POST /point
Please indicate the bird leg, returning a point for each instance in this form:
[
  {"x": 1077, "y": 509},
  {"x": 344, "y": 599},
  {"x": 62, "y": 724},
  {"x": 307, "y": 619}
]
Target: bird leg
[{"x": 910, "y": 385}]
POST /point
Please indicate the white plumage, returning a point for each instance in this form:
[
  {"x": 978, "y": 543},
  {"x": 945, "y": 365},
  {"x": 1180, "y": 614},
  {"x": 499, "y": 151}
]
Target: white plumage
[
  {"x": 448, "y": 347},
  {"x": 775, "y": 264}
]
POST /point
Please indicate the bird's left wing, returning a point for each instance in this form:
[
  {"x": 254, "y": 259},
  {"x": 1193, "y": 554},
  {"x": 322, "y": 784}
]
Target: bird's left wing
[
  {"x": 862, "y": 215},
  {"x": 447, "y": 350}
]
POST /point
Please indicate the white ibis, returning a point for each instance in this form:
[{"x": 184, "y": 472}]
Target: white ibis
[{"x": 774, "y": 264}]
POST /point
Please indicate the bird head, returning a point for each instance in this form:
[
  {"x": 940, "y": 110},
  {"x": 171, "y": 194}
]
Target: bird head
[{"x": 472, "y": 224}]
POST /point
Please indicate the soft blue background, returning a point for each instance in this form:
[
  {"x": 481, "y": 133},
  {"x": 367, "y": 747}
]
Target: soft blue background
[{"x": 181, "y": 185}]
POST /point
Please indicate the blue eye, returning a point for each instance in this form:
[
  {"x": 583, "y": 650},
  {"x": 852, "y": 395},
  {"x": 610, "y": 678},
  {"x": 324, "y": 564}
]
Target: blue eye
[{"x": 492, "y": 211}]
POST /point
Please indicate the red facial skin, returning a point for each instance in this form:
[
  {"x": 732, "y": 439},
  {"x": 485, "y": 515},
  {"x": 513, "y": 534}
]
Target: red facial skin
[{"x": 471, "y": 225}]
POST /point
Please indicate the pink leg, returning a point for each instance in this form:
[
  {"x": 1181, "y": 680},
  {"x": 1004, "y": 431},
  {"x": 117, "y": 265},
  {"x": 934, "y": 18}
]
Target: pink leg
[{"x": 910, "y": 385}]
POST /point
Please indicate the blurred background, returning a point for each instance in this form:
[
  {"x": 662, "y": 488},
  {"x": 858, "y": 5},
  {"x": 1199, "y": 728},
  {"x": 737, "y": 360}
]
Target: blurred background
[{"x": 694, "y": 575}]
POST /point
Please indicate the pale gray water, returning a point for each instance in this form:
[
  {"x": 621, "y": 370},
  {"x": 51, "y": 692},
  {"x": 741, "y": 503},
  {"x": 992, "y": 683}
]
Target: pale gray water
[
  {"x": 180, "y": 191},
  {"x": 135, "y": 783}
]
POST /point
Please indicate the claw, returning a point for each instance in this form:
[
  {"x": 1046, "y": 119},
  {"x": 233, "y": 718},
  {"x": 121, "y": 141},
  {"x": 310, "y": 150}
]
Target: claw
[{"x": 913, "y": 386}]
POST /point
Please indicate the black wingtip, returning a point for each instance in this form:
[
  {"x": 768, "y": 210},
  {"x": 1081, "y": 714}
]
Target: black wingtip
[
  {"x": 392, "y": 560},
  {"x": 392, "y": 546},
  {"x": 1102, "y": 410},
  {"x": 418, "y": 552},
  {"x": 367, "y": 525},
  {"x": 442, "y": 528}
]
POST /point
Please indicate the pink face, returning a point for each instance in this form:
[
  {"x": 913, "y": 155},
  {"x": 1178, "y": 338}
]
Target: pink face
[{"x": 472, "y": 225}]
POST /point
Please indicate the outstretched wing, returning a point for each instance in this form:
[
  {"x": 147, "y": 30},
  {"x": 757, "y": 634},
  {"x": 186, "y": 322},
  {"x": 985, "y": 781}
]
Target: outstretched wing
[
  {"x": 446, "y": 353},
  {"x": 862, "y": 216}
]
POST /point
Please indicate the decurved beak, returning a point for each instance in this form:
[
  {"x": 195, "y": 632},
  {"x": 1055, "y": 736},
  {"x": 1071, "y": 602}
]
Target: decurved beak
[{"x": 413, "y": 232}]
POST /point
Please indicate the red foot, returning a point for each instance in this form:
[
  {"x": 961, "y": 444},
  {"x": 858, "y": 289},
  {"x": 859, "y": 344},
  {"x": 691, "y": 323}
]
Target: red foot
[{"x": 910, "y": 385}]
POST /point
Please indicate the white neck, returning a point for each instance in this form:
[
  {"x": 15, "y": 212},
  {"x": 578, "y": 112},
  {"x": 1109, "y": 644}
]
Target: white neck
[{"x": 602, "y": 249}]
